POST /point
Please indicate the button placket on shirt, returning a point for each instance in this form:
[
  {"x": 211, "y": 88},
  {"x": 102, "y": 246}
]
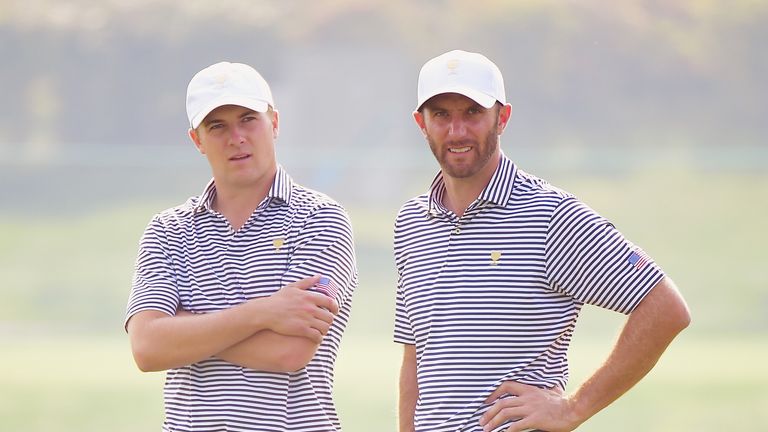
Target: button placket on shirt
[
  {"x": 458, "y": 222},
  {"x": 236, "y": 294},
  {"x": 452, "y": 219},
  {"x": 237, "y": 234}
]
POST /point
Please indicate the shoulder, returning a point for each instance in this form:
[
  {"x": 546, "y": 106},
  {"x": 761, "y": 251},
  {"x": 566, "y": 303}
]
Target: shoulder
[
  {"x": 175, "y": 216},
  {"x": 413, "y": 220},
  {"x": 529, "y": 186},
  {"x": 311, "y": 204},
  {"x": 302, "y": 196},
  {"x": 164, "y": 227},
  {"x": 536, "y": 197},
  {"x": 413, "y": 213},
  {"x": 414, "y": 207}
]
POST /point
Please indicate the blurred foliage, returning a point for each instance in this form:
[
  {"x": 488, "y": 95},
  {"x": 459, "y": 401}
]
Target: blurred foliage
[{"x": 651, "y": 72}]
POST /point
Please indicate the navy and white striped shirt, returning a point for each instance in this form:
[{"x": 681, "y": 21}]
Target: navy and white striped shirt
[
  {"x": 190, "y": 257},
  {"x": 494, "y": 295}
]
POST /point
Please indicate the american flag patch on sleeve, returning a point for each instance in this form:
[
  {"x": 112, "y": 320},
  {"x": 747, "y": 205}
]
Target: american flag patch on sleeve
[
  {"x": 638, "y": 258},
  {"x": 326, "y": 286}
]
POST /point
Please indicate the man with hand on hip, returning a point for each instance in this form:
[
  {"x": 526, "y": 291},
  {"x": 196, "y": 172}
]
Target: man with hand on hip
[{"x": 494, "y": 265}]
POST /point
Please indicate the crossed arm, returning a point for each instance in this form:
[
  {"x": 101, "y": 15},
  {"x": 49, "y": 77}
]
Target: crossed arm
[
  {"x": 279, "y": 333},
  {"x": 648, "y": 331}
]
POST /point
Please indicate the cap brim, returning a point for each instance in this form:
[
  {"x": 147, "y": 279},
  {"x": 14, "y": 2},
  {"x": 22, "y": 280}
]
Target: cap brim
[
  {"x": 483, "y": 99},
  {"x": 250, "y": 103}
]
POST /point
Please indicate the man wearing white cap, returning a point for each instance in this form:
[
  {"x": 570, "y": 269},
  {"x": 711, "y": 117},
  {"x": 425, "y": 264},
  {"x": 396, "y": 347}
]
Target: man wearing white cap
[
  {"x": 242, "y": 293},
  {"x": 494, "y": 265}
]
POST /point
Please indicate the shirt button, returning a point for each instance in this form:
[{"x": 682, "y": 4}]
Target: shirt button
[{"x": 457, "y": 230}]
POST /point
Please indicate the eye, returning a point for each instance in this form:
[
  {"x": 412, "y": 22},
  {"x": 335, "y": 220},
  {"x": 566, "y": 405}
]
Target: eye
[
  {"x": 475, "y": 110},
  {"x": 248, "y": 118},
  {"x": 214, "y": 126}
]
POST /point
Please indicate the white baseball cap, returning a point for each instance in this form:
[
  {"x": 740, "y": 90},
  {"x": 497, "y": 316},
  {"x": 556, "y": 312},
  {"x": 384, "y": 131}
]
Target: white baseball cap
[
  {"x": 466, "y": 73},
  {"x": 226, "y": 84}
]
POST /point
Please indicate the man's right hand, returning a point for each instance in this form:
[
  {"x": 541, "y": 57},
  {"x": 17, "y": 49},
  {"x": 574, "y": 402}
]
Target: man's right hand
[{"x": 295, "y": 311}]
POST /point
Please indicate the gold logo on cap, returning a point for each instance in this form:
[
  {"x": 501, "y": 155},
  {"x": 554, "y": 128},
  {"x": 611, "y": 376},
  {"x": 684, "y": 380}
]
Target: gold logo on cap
[
  {"x": 452, "y": 65},
  {"x": 495, "y": 257},
  {"x": 221, "y": 78},
  {"x": 278, "y": 243}
]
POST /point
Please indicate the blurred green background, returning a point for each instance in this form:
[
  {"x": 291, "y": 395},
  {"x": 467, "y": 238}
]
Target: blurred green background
[{"x": 654, "y": 113}]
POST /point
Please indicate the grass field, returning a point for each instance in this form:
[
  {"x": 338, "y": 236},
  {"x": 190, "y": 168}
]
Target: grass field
[
  {"x": 66, "y": 365},
  {"x": 83, "y": 384}
]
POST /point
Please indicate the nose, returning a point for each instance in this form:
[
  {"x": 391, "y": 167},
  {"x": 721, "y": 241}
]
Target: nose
[
  {"x": 236, "y": 136},
  {"x": 457, "y": 127}
]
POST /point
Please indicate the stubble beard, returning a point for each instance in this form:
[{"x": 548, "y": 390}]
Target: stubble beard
[{"x": 485, "y": 153}]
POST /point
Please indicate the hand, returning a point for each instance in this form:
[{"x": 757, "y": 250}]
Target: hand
[
  {"x": 531, "y": 407},
  {"x": 295, "y": 311}
]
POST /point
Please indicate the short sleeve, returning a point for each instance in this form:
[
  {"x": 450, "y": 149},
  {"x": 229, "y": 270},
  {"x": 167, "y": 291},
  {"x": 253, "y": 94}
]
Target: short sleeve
[
  {"x": 154, "y": 284},
  {"x": 325, "y": 246},
  {"x": 590, "y": 260},
  {"x": 403, "y": 331}
]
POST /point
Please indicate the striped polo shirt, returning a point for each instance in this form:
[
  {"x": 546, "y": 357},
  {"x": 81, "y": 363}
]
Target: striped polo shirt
[
  {"x": 190, "y": 257},
  {"x": 494, "y": 295}
]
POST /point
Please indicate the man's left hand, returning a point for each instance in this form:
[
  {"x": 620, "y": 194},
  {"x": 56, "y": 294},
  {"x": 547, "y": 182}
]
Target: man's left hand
[{"x": 532, "y": 408}]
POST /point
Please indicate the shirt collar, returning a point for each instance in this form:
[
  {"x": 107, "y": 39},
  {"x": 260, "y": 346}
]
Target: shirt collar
[
  {"x": 498, "y": 191},
  {"x": 281, "y": 189}
]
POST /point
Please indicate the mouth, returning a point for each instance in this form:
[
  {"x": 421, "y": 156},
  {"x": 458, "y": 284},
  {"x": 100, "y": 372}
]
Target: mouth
[
  {"x": 240, "y": 157},
  {"x": 459, "y": 149}
]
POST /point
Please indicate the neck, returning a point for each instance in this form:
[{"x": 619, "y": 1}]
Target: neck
[
  {"x": 460, "y": 193},
  {"x": 237, "y": 202}
]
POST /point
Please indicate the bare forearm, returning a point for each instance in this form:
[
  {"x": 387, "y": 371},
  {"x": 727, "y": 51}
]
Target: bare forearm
[
  {"x": 161, "y": 342},
  {"x": 650, "y": 328},
  {"x": 271, "y": 352},
  {"x": 409, "y": 390},
  {"x": 646, "y": 335},
  {"x": 407, "y": 410}
]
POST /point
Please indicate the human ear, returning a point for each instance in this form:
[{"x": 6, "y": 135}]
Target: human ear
[
  {"x": 419, "y": 118},
  {"x": 505, "y": 113},
  {"x": 193, "y": 135},
  {"x": 275, "y": 124}
]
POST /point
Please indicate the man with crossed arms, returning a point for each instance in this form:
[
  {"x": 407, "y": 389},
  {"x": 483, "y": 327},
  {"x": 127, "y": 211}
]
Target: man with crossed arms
[{"x": 227, "y": 294}]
